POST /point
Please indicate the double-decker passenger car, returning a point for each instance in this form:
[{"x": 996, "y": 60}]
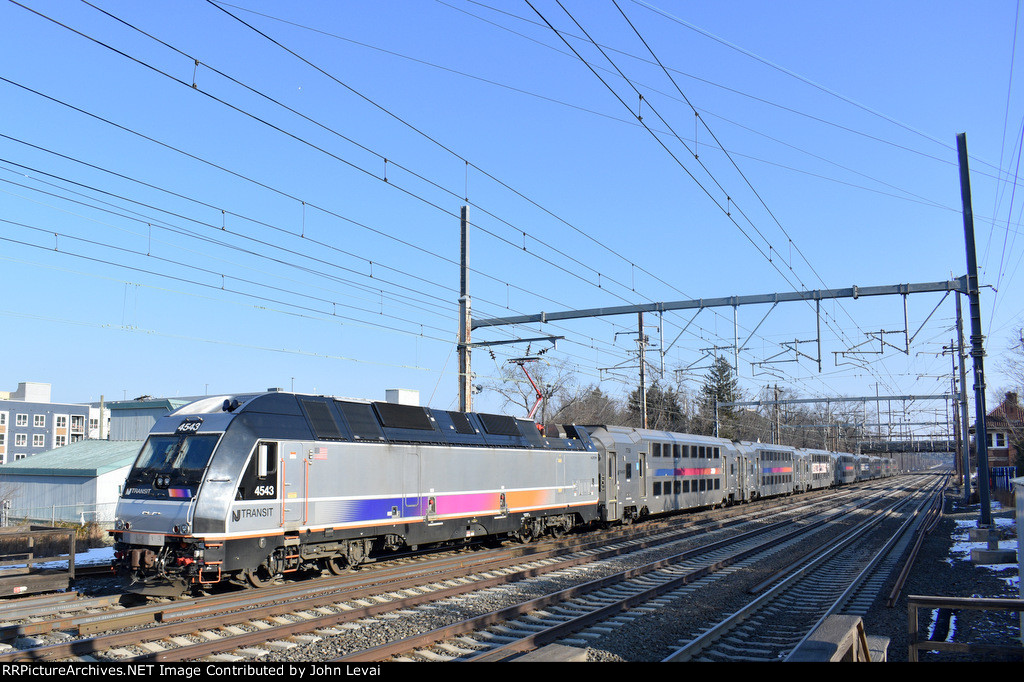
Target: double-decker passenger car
[
  {"x": 776, "y": 468},
  {"x": 651, "y": 472},
  {"x": 845, "y": 468},
  {"x": 819, "y": 472}
]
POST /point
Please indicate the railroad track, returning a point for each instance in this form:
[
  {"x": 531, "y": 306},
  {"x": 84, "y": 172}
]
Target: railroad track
[
  {"x": 589, "y": 610},
  {"x": 845, "y": 577},
  {"x": 266, "y": 622}
]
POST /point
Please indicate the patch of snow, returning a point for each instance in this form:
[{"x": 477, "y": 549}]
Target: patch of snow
[{"x": 91, "y": 557}]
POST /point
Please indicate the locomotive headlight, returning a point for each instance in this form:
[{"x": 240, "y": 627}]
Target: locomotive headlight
[
  {"x": 183, "y": 528},
  {"x": 118, "y": 524}
]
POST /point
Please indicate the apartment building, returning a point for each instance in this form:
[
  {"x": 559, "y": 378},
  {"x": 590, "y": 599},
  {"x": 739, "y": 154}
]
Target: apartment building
[{"x": 31, "y": 424}]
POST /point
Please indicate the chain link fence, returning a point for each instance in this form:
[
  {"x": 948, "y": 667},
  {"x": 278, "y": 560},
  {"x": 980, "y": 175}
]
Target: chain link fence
[{"x": 101, "y": 515}]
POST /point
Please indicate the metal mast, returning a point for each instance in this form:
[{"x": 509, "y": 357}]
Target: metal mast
[
  {"x": 465, "y": 375},
  {"x": 977, "y": 349}
]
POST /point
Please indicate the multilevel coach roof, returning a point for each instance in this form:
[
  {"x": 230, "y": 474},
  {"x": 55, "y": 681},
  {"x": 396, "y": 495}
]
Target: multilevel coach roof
[{"x": 298, "y": 416}]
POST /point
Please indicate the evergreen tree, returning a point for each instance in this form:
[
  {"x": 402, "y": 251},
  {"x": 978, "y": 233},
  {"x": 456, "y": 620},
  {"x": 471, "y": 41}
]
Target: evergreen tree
[
  {"x": 664, "y": 411},
  {"x": 720, "y": 386}
]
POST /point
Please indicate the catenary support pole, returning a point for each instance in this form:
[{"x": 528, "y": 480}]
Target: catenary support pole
[
  {"x": 641, "y": 340},
  {"x": 977, "y": 347},
  {"x": 465, "y": 373}
]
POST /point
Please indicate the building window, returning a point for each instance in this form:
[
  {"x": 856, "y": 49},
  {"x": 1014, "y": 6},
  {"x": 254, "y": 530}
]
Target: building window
[
  {"x": 19, "y": 455},
  {"x": 996, "y": 440},
  {"x": 38, "y": 440},
  {"x": 20, "y": 440},
  {"x": 39, "y": 421},
  {"x": 60, "y": 441},
  {"x": 61, "y": 421},
  {"x": 3, "y": 418},
  {"x": 21, "y": 420}
]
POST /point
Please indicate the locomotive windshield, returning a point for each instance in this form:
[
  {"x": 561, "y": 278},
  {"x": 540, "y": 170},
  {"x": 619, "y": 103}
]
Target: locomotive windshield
[{"x": 182, "y": 456}]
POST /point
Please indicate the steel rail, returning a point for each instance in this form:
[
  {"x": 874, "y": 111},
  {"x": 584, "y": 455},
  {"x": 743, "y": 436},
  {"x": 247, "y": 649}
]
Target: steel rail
[
  {"x": 290, "y": 599},
  {"x": 187, "y": 618},
  {"x": 831, "y": 549},
  {"x": 871, "y": 567},
  {"x": 934, "y": 515},
  {"x": 553, "y": 633}
]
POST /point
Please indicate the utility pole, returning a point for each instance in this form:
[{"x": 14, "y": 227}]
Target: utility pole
[
  {"x": 958, "y": 441},
  {"x": 465, "y": 374},
  {"x": 965, "y": 433},
  {"x": 717, "y": 421},
  {"x": 778, "y": 418},
  {"x": 954, "y": 392},
  {"x": 977, "y": 349},
  {"x": 642, "y": 341}
]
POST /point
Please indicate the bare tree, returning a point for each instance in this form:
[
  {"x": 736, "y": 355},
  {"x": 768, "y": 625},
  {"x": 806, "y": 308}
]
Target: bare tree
[
  {"x": 587, "y": 405},
  {"x": 1013, "y": 360},
  {"x": 1010, "y": 412},
  {"x": 555, "y": 381}
]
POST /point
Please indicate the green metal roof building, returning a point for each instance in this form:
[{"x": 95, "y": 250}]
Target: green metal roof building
[{"x": 78, "y": 482}]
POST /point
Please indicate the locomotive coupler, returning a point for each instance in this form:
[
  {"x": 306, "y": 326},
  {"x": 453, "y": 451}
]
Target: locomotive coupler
[{"x": 142, "y": 558}]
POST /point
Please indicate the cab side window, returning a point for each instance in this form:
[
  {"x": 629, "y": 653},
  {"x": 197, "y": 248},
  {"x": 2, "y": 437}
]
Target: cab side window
[{"x": 259, "y": 482}]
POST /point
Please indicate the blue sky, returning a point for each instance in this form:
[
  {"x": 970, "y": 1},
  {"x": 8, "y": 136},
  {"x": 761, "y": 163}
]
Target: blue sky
[{"x": 285, "y": 212}]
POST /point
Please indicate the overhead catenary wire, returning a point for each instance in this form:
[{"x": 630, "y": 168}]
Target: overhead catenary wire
[
  {"x": 303, "y": 203},
  {"x": 370, "y": 173},
  {"x": 390, "y": 52},
  {"x": 221, "y": 230},
  {"x": 218, "y": 99},
  {"x": 944, "y": 160},
  {"x": 490, "y": 176},
  {"x": 724, "y": 209},
  {"x": 260, "y": 283},
  {"x": 746, "y": 180},
  {"x": 262, "y": 185}
]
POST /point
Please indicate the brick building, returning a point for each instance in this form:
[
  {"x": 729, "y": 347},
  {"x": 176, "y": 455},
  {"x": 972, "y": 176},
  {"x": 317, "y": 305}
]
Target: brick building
[{"x": 1004, "y": 427}]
